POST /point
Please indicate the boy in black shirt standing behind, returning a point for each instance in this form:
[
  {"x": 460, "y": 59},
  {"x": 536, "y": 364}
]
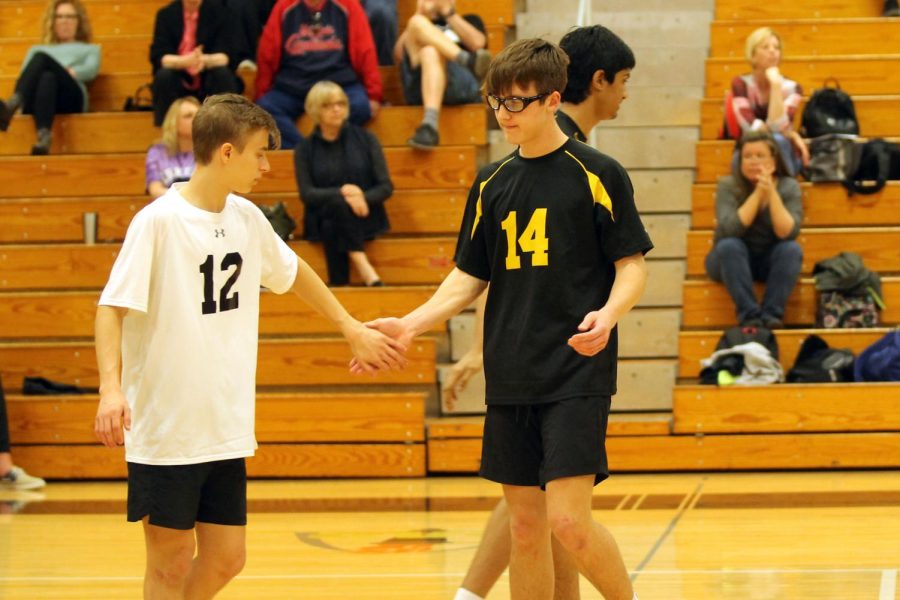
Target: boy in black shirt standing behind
[{"x": 554, "y": 229}]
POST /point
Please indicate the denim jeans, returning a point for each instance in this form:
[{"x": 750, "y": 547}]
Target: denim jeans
[{"x": 731, "y": 263}]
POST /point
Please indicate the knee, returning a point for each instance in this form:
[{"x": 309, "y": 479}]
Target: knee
[
  {"x": 526, "y": 527},
  {"x": 418, "y": 23},
  {"x": 172, "y": 570},
  {"x": 788, "y": 253},
  {"x": 166, "y": 78},
  {"x": 731, "y": 247},
  {"x": 230, "y": 565},
  {"x": 570, "y": 531}
]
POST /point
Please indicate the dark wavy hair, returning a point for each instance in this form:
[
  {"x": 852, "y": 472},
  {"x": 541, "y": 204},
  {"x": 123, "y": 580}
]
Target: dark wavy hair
[
  {"x": 591, "y": 49},
  {"x": 758, "y": 135}
]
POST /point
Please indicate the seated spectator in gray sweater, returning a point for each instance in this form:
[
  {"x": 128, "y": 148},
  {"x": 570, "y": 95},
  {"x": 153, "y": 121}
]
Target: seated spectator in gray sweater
[
  {"x": 344, "y": 182},
  {"x": 758, "y": 214},
  {"x": 54, "y": 72}
]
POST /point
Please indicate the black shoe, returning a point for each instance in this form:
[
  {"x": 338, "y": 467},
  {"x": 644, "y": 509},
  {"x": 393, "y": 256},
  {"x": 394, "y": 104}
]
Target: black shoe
[
  {"x": 7, "y": 110},
  {"x": 44, "y": 139},
  {"x": 754, "y": 322},
  {"x": 425, "y": 138},
  {"x": 479, "y": 63},
  {"x": 376, "y": 283},
  {"x": 773, "y": 323}
]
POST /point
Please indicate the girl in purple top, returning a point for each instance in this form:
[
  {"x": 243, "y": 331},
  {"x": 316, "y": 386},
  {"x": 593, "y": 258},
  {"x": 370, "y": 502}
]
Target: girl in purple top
[{"x": 172, "y": 159}]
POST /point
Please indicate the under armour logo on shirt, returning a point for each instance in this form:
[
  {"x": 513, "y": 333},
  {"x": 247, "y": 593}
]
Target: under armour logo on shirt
[{"x": 219, "y": 232}]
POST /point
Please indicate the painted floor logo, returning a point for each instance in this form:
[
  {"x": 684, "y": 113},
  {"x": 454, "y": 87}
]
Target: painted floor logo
[{"x": 413, "y": 541}]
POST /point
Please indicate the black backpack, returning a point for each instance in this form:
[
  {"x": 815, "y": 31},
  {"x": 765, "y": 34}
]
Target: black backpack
[
  {"x": 829, "y": 110},
  {"x": 879, "y": 161},
  {"x": 735, "y": 336},
  {"x": 818, "y": 363}
]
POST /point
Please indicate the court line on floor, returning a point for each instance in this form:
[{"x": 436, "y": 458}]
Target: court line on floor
[
  {"x": 685, "y": 506},
  {"x": 888, "y": 580},
  {"x": 888, "y": 585}
]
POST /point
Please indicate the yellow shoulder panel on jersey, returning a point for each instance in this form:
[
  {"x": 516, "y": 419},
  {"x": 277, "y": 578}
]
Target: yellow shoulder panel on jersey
[
  {"x": 597, "y": 190},
  {"x": 478, "y": 211}
]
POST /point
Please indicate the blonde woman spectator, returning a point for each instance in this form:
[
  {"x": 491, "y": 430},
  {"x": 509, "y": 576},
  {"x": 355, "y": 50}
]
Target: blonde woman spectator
[
  {"x": 172, "y": 159},
  {"x": 344, "y": 182},
  {"x": 766, "y": 100},
  {"x": 54, "y": 72}
]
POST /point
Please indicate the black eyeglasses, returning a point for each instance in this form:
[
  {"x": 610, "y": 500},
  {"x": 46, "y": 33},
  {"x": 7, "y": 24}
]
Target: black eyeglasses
[{"x": 513, "y": 104}]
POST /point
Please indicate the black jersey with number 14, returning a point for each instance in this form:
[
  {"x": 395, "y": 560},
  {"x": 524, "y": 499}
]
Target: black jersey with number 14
[{"x": 546, "y": 232}]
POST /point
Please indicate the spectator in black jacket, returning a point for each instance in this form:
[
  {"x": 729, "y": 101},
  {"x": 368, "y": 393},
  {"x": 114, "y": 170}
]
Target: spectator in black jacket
[
  {"x": 344, "y": 182},
  {"x": 196, "y": 49}
]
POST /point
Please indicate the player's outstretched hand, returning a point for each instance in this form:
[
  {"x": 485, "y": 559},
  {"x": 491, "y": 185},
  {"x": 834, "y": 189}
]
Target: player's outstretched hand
[
  {"x": 375, "y": 351},
  {"x": 459, "y": 375},
  {"x": 395, "y": 330},
  {"x": 595, "y": 334},
  {"x": 113, "y": 414}
]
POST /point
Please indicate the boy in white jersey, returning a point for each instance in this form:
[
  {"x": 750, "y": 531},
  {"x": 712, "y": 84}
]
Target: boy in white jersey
[{"x": 176, "y": 337}]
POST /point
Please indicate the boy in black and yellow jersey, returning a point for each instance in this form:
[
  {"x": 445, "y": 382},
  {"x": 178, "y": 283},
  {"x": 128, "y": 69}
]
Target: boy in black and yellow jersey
[{"x": 554, "y": 230}]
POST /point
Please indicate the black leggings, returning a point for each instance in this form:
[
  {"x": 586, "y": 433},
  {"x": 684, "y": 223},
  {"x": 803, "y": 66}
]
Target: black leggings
[
  {"x": 47, "y": 89},
  {"x": 4, "y": 425},
  {"x": 342, "y": 232},
  {"x": 168, "y": 86}
]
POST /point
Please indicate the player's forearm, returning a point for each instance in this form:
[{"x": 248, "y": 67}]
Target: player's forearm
[
  {"x": 456, "y": 292},
  {"x": 311, "y": 289},
  {"x": 478, "y": 337},
  {"x": 631, "y": 278},
  {"x": 108, "y": 346}
]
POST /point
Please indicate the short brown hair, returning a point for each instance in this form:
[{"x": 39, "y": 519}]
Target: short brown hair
[
  {"x": 756, "y": 135},
  {"x": 525, "y": 62},
  {"x": 229, "y": 118}
]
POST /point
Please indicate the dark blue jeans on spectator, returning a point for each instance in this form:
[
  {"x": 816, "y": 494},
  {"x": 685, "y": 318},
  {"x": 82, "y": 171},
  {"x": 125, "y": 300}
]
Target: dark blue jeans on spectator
[
  {"x": 383, "y": 22},
  {"x": 731, "y": 263},
  {"x": 286, "y": 108}
]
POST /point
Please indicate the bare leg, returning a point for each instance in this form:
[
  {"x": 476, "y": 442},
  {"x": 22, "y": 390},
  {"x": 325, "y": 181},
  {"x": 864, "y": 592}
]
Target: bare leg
[
  {"x": 434, "y": 77},
  {"x": 6, "y": 462},
  {"x": 492, "y": 556},
  {"x": 221, "y": 554},
  {"x": 565, "y": 573},
  {"x": 530, "y": 560},
  {"x": 421, "y": 32},
  {"x": 362, "y": 265},
  {"x": 169, "y": 556},
  {"x": 590, "y": 544}
]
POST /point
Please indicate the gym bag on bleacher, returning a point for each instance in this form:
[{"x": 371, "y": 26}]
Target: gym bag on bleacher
[
  {"x": 877, "y": 163},
  {"x": 880, "y": 361},
  {"x": 818, "y": 363},
  {"x": 833, "y": 157},
  {"x": 829, "y": 110}
]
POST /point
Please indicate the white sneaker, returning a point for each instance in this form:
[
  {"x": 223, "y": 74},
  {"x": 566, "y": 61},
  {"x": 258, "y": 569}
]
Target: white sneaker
[{"x": 18, "y": 479}]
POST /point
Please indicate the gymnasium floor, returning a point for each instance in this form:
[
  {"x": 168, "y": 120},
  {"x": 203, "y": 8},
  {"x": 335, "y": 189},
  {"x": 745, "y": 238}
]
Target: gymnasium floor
[{"x": 829, "y": 535}]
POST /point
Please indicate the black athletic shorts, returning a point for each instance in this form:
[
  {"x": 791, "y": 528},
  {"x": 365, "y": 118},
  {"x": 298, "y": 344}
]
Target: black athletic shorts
[
  {"x": 531, "y": 444},
  {"x": 178, "y": 496}
]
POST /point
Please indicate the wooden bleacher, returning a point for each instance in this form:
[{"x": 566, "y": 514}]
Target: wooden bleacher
[
  {"x": 841, "y": 425},
  {"x": 313, "y": 418},
  {"x": 707, "y": 304},
  {"x": 119, "y": 132}
]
